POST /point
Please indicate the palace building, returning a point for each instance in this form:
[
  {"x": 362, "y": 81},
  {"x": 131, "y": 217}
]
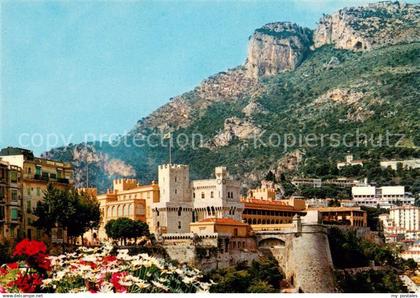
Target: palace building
[
  {"x": 263, "y": 212},
  {"x": 351, "y": 216},
  {"x": 183, "y": 201},
  {"x": 127, "y": 198}
]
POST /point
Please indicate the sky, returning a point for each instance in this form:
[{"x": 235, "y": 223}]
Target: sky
[{"x": 77, "y": 70}]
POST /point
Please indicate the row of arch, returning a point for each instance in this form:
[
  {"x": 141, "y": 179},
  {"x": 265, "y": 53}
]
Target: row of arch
[
  {"x": 254, "y": 221},
  {"x": 124, "y": 210}
]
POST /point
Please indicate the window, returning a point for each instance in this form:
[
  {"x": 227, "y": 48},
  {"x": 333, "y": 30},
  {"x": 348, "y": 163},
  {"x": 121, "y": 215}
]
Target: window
[
  {"x": 2, "y": 191},
  {"x": 13, "y": 176},
  {"x": 193, "y": 195},
  {"x": 38, "y": 191},
  {"x": 28, "y": 191},
  {"x": 14, "y": 195},
  {"x": 202, "y": 195},
  {"x": 179, "y": 211},
  {"x": 14, "y": 214},
  {"x": 29, "y": 206},
  {"x": 38, "y": 170},
  {"x": 1, "y": 212},
  {"x": 179, "y": 225},
  {"x": 139, "y": 210},
  {"x": 211, "y": 195}
]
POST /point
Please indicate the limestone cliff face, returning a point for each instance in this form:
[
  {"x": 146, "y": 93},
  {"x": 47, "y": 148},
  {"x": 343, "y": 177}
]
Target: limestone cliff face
[
  {"x": 367, "y": 27},
  {"x": 234, "y": 127},
  {"x": 277, "y": 47}
]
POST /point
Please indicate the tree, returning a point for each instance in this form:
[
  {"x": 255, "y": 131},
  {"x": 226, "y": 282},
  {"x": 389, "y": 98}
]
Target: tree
[
  {"x": 88, "y": 214},
  {"x": 260, "y": 286},
  {"x": 55, "y": 209},
  {"x": 125, "y": 228},
  {"x": 262, "y": 276},
  {"x": 67, "y": 209}
]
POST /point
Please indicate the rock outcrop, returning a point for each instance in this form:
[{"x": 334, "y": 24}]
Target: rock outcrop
[
  {"x": 253, "y": 108},
  {"x": 372, "y": 26},
  {"x": 234, "y": 127},
  {"x": 228, "y": 85},
  {"x": 277, "y": 47}
]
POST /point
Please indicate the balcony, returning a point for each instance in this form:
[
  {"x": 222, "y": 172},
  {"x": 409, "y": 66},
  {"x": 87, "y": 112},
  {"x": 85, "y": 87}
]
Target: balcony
[
  {"x": 63, "y": 180},
  {"x": 41, "y": 177},
  {"x": 51, "y": 179}
]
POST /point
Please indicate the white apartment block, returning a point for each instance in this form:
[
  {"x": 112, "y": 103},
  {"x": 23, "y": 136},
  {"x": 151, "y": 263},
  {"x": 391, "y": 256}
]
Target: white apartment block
[
  {"x": 406, "y": 164},
  {"x": 311, "y": 182},
  {"x": 183, "y": 201},
  {"x": 385, "y": 196},
  {"x": 402, "y": 220},
  {"x": 406, "y": 217}
]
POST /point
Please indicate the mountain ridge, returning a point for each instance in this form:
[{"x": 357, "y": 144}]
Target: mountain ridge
[{"x": 284, "y": 60}]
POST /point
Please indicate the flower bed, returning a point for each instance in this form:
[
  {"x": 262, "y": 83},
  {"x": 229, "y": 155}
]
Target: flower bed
[{"x": 94, "y": 270}]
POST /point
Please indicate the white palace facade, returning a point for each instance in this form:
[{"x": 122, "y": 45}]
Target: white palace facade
[{"x": 183, "y": 201}]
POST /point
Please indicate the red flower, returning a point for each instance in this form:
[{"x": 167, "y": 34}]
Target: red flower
[
  {"x": 27, "y": 283},
  {"x": 3, "y": 270},
  {"x": 115, "y": 280},
  {"x": 109, "y": 259},
  {"x": 13, "y": 265},
  {"x": 2, "y": 290},
  {"x": 41, "y": 261},
  {"x": 29, "y": 248}
]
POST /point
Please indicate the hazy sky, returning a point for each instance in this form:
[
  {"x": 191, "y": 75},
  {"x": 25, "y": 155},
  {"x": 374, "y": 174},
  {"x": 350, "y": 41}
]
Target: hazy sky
[{"x": 72, "y": 68}]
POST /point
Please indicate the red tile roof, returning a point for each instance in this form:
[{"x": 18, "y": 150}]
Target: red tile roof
[{"x": 263, "y": 203}]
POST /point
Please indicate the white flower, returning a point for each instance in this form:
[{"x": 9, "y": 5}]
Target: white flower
[
  {"x": 106, "y": 288},
  {"x": 89, "y": 258},
  {"x": 159, "y": 285},
  {"x": 46, "y": 282},
  {"x": 188, "y": 280}
]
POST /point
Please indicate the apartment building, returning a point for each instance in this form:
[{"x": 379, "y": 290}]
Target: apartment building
[
  {"x": 406, "y": 164},
  {"x": 10, "y": 202},
  {"x": 310, "y": 182},
  {"x": 384, "y": 197},
  {"x": 37, "y": 173},
  {"x": 402, "y": 223}
]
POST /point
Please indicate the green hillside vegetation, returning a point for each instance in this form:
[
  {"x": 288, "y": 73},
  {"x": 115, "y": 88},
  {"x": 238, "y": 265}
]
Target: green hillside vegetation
[{"x": 387, "y": 78}]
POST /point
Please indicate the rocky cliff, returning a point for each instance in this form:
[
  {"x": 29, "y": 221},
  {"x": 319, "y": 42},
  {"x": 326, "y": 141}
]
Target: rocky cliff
[
  {"x": 230, "y": 85},
  {"x": 291, "y": 85},
  {"x": 273, "y": 48},
  {"x": 277, "y": 47},
  {"x": 372, "y": 26}
]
